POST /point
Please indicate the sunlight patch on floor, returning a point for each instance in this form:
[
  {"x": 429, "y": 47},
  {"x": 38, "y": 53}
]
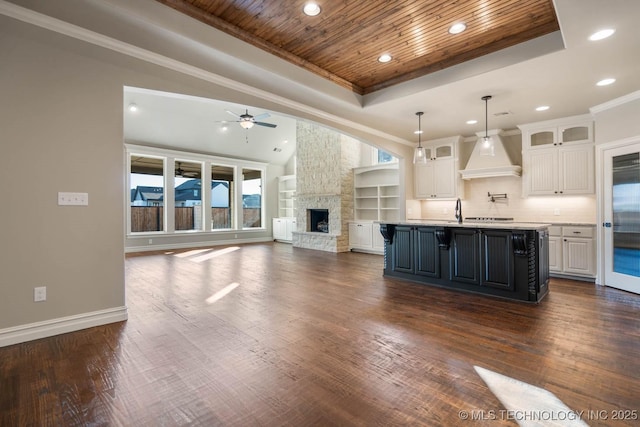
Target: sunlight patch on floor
[
  {"x": 528, "y": 405},
  {"x": 222, "y": 293},
  {"x": 191, "y": 253},
  {"x": 214, "y": 254}
]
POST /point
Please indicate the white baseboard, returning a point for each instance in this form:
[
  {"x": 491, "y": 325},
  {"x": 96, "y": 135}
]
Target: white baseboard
[
  {"x": 189, "y": 245},
  {"x": 61, "y": 325}
]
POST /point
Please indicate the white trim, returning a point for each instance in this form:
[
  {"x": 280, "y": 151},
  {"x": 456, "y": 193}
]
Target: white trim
[
  {"x": 633, "y": 96},
  {"x": 58, "y": 26},
  {"x": 188, "y": 245},
  {"x": 61, "y": 325}
]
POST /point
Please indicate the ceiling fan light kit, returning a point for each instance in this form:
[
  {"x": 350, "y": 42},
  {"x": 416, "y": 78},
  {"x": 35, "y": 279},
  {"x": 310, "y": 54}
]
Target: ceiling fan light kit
[{"x": 247, "y": 121}]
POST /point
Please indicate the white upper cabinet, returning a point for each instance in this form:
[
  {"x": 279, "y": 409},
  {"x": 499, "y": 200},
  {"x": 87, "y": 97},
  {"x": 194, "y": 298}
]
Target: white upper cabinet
[
  {"x": 558, "y": 157},
  {"x": 438, "y": 179}
]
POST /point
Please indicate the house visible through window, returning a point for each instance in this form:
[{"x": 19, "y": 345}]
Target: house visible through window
[
  {"x": 147, "y": 194},
  {"x": 222, "y": 200},
  {"x": 251, "y": 198},
  {"x": 155, "y": 173},
  {"x": 187, "y": 196}
]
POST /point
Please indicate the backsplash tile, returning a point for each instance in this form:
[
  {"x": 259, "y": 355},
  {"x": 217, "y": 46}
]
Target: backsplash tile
[{"x": 570, "y": 209}]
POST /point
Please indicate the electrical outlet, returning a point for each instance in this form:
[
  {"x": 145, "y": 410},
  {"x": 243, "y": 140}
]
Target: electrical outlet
[
  {"x": 556, "y": 211},
  {"x": 40, "y": 294},
  {"x": 151, "y": 241}
]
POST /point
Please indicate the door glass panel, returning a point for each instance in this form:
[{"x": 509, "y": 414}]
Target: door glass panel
[
  {"x": 188, "y": 196},
  {"x": 626, "y": 214},
  {"x": 578, "y": 133},
  {"x": 542, "y": 138},
  {"x": 146, "y": 180}
]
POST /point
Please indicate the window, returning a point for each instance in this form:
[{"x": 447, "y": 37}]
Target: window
[
  {"x": 251, "y": 198},
  {"x": 147, "y": 194},
  {"x": 379, "y": 156},
  {"x": 174, "y": 191},
  {"x": 222, "y": 200},
  {"x": 384, "y": 157},
  {"x": 187, "y": 196}
]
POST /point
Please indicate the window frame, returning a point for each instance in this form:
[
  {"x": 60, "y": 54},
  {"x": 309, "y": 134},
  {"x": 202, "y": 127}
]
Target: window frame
[{"x": 169, "y": 157}]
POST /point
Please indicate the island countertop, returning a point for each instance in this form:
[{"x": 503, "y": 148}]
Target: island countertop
[{"x": 507, "y": 225}]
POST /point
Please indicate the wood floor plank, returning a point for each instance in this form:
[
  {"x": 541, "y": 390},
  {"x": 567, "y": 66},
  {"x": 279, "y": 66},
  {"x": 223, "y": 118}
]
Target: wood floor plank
[{"x": 308, "y": 338}]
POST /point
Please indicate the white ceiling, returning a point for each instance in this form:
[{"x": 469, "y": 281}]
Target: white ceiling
[
  {"x": 204, "y": 125},
  {"x": 517, "y": 79}
]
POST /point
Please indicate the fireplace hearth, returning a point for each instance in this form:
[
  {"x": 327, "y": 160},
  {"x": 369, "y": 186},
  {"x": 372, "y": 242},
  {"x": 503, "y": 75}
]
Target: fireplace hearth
[{"x": 318, "y": 220}]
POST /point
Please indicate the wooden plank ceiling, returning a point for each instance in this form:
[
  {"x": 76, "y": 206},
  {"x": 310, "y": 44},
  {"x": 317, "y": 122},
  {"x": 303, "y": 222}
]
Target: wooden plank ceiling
[{"x": 345, "y": 40}]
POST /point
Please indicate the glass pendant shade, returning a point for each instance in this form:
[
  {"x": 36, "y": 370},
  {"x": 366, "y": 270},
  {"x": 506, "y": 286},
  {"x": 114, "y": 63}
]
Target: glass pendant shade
[
  {"x": 487, "y": 148},
  {"x": 419, "y": 154}
]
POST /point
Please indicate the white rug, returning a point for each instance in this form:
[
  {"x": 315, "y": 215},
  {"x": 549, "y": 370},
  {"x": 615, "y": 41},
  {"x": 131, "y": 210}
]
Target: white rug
[{"x": 528, "y": 405}]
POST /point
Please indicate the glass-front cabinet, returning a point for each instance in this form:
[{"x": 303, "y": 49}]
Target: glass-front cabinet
[
  {"x": 571, "y": 130},
  {"x": 558, "y": 157}
]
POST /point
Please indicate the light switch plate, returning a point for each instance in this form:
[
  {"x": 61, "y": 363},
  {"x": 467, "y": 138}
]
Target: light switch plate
[{"x": 73, "y": 199}]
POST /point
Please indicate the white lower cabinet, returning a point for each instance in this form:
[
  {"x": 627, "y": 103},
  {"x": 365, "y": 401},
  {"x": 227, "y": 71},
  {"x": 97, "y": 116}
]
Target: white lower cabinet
[
  {"x": 555, "y": 248},
  {"x": 572, "y": 251},
  {"x": 283, "y": 229},
  {"x": 366, "y": 237}
]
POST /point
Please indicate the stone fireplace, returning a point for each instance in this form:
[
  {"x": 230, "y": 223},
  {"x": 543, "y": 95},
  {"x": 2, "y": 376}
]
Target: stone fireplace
[{"x": 324, "y": 173}]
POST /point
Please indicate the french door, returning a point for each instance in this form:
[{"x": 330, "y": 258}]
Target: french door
[{"x": 621, "y": 217}]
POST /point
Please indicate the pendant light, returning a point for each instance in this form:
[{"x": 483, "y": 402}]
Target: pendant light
[
  {"x": 419, "y": 154},
  {"x": 487, "y": 148}
]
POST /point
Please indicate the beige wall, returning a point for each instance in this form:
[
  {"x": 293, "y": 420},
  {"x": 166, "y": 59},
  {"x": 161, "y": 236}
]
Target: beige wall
[
  {"x": 619, "y": 121},
  {"x": 61, "y": 121},
  {"x": 61, "y": 118}
]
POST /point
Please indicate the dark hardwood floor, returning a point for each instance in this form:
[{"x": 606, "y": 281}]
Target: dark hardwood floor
[{"x": 307, "y": 338}]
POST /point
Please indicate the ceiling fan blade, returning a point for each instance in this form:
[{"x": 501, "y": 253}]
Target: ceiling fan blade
[
  {"x": 261, "y": 116},
  {"x": 269, "y": 125},
  {"x": 237, "y": 116}
]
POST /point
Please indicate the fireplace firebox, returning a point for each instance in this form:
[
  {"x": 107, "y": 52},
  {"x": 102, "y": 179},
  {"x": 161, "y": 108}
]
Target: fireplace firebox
[{"x": 318, "y": 220}]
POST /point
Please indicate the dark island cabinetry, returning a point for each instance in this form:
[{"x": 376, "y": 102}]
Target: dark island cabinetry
[{"x": 501, "y": 262}]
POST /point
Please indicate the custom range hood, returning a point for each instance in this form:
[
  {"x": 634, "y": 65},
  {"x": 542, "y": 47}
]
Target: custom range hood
[{"x": 489, "y": 163}]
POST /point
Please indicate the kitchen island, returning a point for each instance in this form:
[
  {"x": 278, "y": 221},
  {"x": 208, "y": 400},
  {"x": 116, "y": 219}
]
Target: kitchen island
[{"x": 508, "y": 260}]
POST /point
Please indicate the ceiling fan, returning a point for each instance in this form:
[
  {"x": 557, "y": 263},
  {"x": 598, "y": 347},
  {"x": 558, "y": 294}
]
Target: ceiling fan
[
  {"x": 184, "y": 174},
  {"x": 247, "y": 121}
]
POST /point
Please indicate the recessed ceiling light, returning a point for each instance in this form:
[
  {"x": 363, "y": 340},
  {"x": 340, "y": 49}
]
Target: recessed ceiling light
[
  {"x": 457, "y": 28},
  {"x": 472, "y": 122},
  {"x": 542, "y": 108},
  {"x": 605, "y": 82},
  {"x": 384, "y": 58},
  {"x": 602, "y": 34},
  {"x": 133, "y": 107},
  {"x": 311, "y": 9}
]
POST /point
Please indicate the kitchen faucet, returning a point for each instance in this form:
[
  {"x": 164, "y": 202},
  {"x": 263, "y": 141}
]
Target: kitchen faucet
[{"x": 459, "y": 211}]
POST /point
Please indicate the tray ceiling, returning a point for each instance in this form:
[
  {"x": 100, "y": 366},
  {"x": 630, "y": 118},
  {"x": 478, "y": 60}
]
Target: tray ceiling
[{"x": 344, "y": 41}]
